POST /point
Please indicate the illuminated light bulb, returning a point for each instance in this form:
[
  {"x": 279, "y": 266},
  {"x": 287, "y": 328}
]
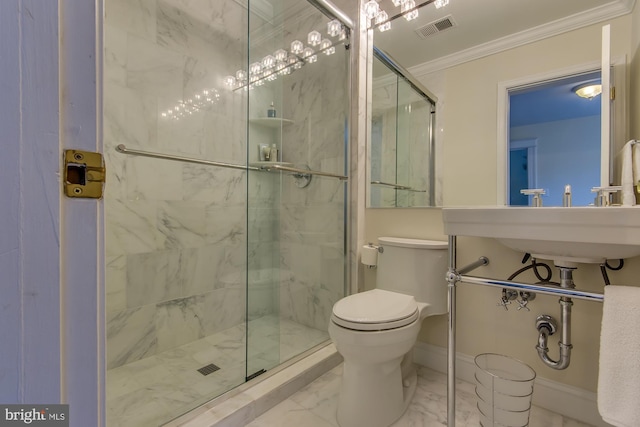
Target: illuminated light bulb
[
  {"x": 371, "y": 9},
  {"x": 406, "y": 6},
  {"x": 382, "y": 21},
  {"x": 268, "y": 61},
  {"x": 326, "y": 47},
  {"x": 280, "y": 55},
  {"x": 272, "y": 77},
  {"x": 398, "y": 2},
  {"x": 280, "y": 67},
  {"x": 343, "y": 34},
  {"x": 255, "y": 68},
  {"x": 164, "y": 114},
  {"x": 230, "y": 81},
  {"x": 381, "y": 17},
  {"x": 241, "y": 75},
  {"x": 313, "y": 39},
  {"x": 441, "y": 3},
  {"x": 297, "y": 47},
  {"x": 309, "y": 55},
  {"x": 334, "y": 27}
]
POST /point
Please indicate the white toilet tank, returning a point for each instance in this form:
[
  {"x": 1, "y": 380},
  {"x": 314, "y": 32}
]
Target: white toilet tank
[{"x": 415, "y": 267}]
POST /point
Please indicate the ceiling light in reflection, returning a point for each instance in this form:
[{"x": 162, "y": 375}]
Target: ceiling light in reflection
[
  {"x": 409, "y": 14},
  {"x": 371, "y": 9}
]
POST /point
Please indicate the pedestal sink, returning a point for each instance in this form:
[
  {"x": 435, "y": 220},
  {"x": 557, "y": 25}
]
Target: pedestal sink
[{"x": 564, "y": 235}]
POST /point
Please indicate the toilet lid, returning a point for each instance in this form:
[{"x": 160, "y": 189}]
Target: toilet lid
[{"x": 375, "y": 310}]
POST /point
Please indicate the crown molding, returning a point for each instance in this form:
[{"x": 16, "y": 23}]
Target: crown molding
[{"x": 560, "y": 26}]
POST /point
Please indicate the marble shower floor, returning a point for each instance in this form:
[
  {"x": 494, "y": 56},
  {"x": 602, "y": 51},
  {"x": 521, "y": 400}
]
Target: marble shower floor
[
  {"x": 154, "y": 390},
  {"x": 315, "y": 406}
]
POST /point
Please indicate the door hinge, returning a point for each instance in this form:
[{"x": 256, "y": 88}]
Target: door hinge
[
  {"x": 613, "y": 93},
  {"x": 84, "y": 174}
]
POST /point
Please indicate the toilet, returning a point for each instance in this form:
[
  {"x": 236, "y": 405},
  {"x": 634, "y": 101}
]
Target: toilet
[{"x": 375, "y": 331}]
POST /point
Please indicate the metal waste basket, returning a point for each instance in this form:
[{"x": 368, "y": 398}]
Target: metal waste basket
[{"x": 504, "y": 387}]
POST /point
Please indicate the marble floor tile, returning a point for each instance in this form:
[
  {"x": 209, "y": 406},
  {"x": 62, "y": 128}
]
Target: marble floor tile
[
  {"x": 154, "y": 390},
  {"x": 315, "y": 405}
]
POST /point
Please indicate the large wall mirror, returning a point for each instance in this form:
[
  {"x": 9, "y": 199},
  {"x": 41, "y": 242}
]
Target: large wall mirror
[{"x": 462, "y": 53}]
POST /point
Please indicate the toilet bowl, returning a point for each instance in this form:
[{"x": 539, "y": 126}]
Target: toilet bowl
[{"x": 375, "y": 331}]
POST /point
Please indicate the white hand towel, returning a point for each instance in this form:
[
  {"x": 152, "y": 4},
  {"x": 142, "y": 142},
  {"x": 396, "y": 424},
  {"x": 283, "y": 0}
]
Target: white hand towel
[
  {"x": 629, "y": 174},
  {"x": 619, "y": 375}
]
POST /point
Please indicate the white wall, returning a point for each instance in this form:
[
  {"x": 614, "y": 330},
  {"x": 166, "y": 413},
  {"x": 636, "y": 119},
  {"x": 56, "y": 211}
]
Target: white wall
[
  {"x": 568, "y": 152},
  {"x": 635, "y": 73}
]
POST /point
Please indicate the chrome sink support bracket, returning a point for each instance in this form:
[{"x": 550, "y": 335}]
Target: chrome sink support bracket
[
  {"x": 453, "y": 277},
  {"x": 546, "y": 326}
]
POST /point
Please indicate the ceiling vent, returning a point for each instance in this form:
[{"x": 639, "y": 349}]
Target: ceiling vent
[{"x": 436, "y": 27}]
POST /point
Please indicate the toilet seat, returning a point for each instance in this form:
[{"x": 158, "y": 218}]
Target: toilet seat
[{"x": 375, "y": 310}]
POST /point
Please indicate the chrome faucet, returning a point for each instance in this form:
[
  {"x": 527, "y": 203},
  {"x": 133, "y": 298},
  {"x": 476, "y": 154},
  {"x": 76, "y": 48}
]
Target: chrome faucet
[
  {"x": 603, "y": 194},
  {"x": 566, "y": 197},
  {"x": 536, "y": 193}
]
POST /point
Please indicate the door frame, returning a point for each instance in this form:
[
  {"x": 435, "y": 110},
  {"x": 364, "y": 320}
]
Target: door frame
[
  {"x": 531, "y": 145},
  {"x": 82, "y": 257}
]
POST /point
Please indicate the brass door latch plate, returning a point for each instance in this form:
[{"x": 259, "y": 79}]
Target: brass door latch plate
[{"x": 84, "y": 174}]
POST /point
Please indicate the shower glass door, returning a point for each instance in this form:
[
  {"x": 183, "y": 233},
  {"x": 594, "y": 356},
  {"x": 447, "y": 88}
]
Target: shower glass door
[
  {"x": 298, "y": 85},
  {"x": 217, "y": 267}
]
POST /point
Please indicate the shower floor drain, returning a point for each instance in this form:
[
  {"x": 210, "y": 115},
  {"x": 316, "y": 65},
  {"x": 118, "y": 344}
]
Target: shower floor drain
[{"x": 209, "y": 369}]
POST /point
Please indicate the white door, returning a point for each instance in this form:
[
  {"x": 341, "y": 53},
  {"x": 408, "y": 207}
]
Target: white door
[{"x": 606, "y": 168}]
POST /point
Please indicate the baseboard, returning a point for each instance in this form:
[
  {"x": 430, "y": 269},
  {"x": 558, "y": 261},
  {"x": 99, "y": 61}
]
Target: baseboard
[{"x": 566, "y": 400}]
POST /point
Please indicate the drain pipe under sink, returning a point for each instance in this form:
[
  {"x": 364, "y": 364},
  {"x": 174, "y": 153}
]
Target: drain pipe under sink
[{"x": 547, "y": 326}]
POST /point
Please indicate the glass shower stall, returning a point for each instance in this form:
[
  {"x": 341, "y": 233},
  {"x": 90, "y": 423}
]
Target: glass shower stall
[{"x": 225, "y": 138}]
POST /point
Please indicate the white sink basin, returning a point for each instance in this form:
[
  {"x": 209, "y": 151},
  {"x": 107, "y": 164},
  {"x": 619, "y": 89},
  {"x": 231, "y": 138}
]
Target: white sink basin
[{"x": 564, "y": 235}]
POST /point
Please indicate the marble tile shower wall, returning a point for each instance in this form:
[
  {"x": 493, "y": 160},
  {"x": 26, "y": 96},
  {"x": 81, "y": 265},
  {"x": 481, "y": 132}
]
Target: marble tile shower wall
[
  {"x": 176, "y": 232},
  {"x": 312, "y": 221}
]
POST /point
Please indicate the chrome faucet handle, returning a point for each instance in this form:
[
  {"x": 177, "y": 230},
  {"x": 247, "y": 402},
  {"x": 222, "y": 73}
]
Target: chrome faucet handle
[
  {"x": 603, "y": 194},
  {"x": 525, "y": 297},
  {"x": 504, "y": 303},
  {"x": 536, "y": 193},
  {"x": 508, "y": 295},
  {"x": 523, "y": 304}
]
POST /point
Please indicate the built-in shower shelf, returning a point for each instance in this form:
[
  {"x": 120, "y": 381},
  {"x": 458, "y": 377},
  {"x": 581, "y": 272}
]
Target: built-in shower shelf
[{"x": 271, "y": 122}]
